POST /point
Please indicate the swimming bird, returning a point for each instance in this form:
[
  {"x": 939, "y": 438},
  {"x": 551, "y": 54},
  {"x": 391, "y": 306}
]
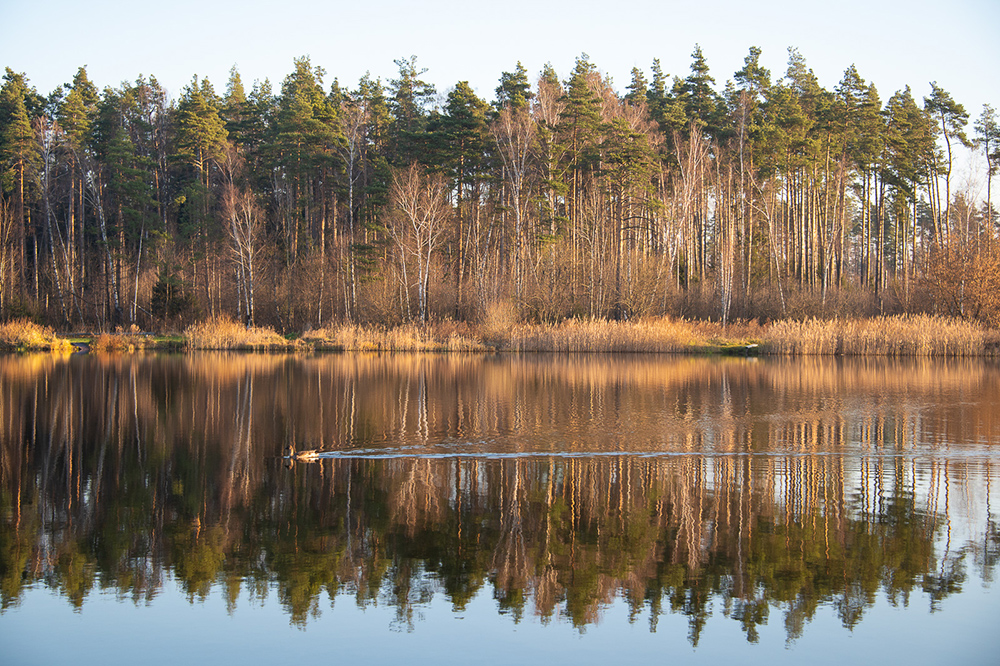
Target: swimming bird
[{"x": 308, "y": 455}]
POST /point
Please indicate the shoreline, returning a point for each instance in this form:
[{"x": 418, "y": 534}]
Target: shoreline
[{"x": 893, "y": 336}]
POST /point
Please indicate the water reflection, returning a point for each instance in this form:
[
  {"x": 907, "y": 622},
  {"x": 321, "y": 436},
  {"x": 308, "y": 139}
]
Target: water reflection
[{"x": 761, "y": 491}]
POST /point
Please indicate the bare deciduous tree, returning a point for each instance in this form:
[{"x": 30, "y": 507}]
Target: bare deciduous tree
[
  {"x": 514, "y": 131},
  {"x": 245, "y": 228},
  {"x": 419, "y": 215},
  {"x": 95, "y": 188}
]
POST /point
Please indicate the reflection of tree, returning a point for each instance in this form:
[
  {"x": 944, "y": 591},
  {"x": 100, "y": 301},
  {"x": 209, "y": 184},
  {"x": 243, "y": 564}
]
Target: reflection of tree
[
  {"x": 197, "y": 556},
  {"x": 18, "y": 538},
  {"x": 509, "y": 563},
  {"x": 107, "y": 478}
]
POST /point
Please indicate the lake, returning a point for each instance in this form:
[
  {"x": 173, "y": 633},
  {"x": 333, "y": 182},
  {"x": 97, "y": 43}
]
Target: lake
[{"x": 498, "y": 509}]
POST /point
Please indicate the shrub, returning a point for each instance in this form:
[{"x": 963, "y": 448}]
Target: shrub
[
  {"x": 25, "y": 334},
  {"x": 117, "y": 342}
]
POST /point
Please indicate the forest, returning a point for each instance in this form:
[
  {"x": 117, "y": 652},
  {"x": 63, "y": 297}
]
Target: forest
[{"x": 764, "y": 198}]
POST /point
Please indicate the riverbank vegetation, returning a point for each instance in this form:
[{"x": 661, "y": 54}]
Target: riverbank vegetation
[
  {"x": 903, "y": 335},
  {"x": 563, "y": 214},
  {"x": 24, "y": 335},
  {"x": 224, "y": 333}
]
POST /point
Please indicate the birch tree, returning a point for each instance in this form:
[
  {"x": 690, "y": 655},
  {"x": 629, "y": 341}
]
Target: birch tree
[
  {"x": 420, "y": 212},
  {"x": 515, "y": 133},
  {"x": 354, "y": 125},
  {"x": 47, "y": 134}
]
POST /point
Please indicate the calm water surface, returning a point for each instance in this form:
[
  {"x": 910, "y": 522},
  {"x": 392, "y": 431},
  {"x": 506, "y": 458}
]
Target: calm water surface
[{"x": 498, "y": 509}]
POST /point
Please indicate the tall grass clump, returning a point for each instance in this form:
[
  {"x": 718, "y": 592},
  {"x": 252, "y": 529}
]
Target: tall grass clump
[
  {"x": 120, "y": 341},
  {"x": 114, "y": 342},
  {"x": 497, "y": 321},
  {"x": 440, "y": 336},
  {"x": 224, "y": 333},
  {"x": 901, "y": 335},
  {"x": 812, "y": 336},
  {"x": 645, "y": 335},
  {"x": 23, "y": 334}
]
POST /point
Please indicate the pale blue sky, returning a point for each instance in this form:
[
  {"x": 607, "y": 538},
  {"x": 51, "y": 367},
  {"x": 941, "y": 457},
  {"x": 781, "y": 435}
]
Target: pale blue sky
[{"x": 892, "y": 42}]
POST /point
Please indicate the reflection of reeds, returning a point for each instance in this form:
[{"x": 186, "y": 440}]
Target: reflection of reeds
[{"x": 25, "y": 334}]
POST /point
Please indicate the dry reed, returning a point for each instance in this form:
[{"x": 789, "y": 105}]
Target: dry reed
[
  {"x": 444, "y": 336},
  {"x": 904, "y": 335},
  {"x": 27, "y": 335},
  {"x": 120, "y": 342},
  {"x": 645, "y": 335},
  {"x": 224, "y": 333},
  {"x": 907, "y": 335}
]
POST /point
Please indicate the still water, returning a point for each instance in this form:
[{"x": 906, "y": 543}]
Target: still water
[{"x": 498, "y": 509}]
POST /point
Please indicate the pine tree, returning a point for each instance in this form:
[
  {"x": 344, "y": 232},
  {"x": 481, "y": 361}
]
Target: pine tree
[
  {"x": 256, "y": 134},
  {"x": 18, "y": 159},
  {"x": 698, "y": 97},
  {"x": 409, "y": 96},
  {"x": 909, "y": 141},
  {"x": 201, "y": 145},
  {"x": 579, "y": 129},
  {"x": 307, "y": 140},
  {"x": 951, "y": 120},
  {"x": 376, "y": 154},
  {"x": 638, "y": 88},
  {"x": 459, "y": 139},
  {"x": 656, "y": 98},
  {"x": 76, "y": 116},
  {"x": 627, "y": 170},
  {"x": 235, "y": 110},
  {"x": 201, "y": 131},
  {"x": 987, "y": 129},
  {"x": 514, "y": 89},
  {"x": 547, "y": 109}
]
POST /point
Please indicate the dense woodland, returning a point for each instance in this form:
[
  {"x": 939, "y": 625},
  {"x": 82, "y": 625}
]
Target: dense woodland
[{"x": 766, "y": 197}]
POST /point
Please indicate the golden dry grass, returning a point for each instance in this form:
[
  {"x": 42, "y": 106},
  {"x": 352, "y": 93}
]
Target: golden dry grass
[
  {"x": 25, "y": 334},
  {"x": 119, "y": 342},
  {"x": 224, "y": 333},
  {"x": 443, "y": 336},
  {"x": 906, "y": 335},
  {"x": 903, "y": 335},
  {"x": 497, "y": 321},
  {"x": 661, "y": 334}
]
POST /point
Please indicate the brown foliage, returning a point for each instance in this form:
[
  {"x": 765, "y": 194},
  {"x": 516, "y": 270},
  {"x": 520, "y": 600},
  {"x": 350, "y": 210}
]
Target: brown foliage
[
  {"x": 985, "y": 287},
  {"x": 118, "y": 342}
]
